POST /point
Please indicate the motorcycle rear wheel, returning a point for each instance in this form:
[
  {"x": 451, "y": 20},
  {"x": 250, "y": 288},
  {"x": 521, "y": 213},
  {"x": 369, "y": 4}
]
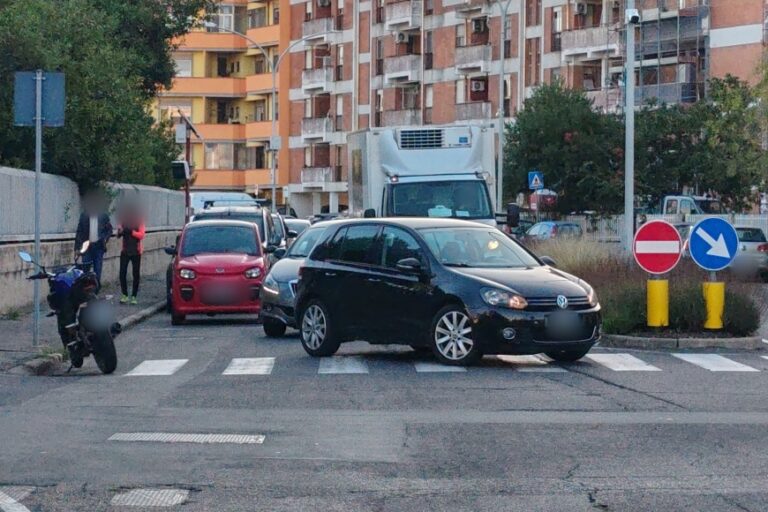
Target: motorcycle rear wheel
[{"x": 104, "y": 352}]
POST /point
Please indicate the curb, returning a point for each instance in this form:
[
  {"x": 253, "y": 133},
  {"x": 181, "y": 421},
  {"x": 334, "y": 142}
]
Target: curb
[
  {"x": 43, "y": 365},
  {"x": 617, "y": 341}
]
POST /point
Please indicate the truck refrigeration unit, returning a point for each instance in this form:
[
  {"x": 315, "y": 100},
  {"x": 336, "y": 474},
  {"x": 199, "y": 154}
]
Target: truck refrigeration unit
[{"x": 434, "y": 171}]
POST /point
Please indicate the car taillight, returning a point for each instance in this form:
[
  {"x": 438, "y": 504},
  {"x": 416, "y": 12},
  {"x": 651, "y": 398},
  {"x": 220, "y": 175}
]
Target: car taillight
[{"x": 762, "y": 248}]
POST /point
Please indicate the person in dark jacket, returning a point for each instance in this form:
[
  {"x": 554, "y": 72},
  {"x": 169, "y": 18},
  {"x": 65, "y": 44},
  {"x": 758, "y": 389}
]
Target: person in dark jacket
[
  {"x": 95, "y": 227},
  {"x": 131, "y": 229}
]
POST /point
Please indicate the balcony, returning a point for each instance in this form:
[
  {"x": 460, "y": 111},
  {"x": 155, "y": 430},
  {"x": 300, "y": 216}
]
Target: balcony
[
  {"x": 589, "y": 43},
  {"x": 318, "y": 31},
  {"x": 408, "y": 117},
  {"x": 474, "y": 110},
  {"x": 469, "y": 9},
  {"x": 211, "y": 87},
  {"x": 473, "y": 59},
  {"x": 317, "y": 129},
  {"x": 403, "y": 16},
  {"x": 606, "y": 100},
  {"x": 402, "y": 69},
  {"x": 260, "y": 84},
  {"x": 212, "y": 132},
  {"x": 210, "y": 41},
  {"x": 258, "y": 131},
  {"x": 318, "y": 177},
  {"x": 314, "y": 81},
  {"x": 667, "y": 93},
  {"x": 225, "y": 179},
  {"x": 267, "y": 36}
]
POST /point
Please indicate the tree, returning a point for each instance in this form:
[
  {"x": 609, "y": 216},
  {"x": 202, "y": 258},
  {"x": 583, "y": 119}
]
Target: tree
[{"x": 577, "y": 148}]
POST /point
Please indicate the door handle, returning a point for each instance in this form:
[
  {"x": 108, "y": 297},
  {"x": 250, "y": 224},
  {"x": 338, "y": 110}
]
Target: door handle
[
  {"x": 330, "y": 274},
  {"x": 373, "y": 280}
]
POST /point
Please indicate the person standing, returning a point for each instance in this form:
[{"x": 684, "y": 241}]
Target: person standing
[
  {"x": 132, "y": 230},
  {"x": 95, "y": 227}
]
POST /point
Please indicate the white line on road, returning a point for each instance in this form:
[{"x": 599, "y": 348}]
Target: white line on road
[
  {"x": 623, "y": 363},
  {"x": 342, "y": 364},
  {"x": 150, "y": 498},
  {"x": 534, "y": 363},
  {"x": 11, "y": 496},
  {"x": 155, "y": 367},
  {"x": 715, "y": 363},
  {"x": 657, "y": 247},
  {"x": 170, "y": 437},
  {"x": 437, "y": 368},
  {"x": 250, "y": 366}
]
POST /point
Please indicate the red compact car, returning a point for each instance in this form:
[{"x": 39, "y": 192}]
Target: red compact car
[{"x": 218, "y": 268}]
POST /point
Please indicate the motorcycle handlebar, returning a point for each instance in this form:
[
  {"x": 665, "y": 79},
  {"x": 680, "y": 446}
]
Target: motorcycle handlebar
[{"x": 39, "y": 275}]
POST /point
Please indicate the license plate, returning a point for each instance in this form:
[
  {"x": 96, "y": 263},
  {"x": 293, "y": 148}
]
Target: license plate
[{"x": 564, "y": 322}]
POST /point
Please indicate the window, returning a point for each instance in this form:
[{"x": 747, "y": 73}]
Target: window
[
  {"x": 532, "y": 61},
  {"x": 220, "y": 239},
  {"x": 461, "y": 35},
  {"x": 308, "y": 59},
  {"x": 257, "y": 18},
  {"x": 169, "y": 109},
  {"x": 379, "y": 56},
  {"x": 686, "y": 206},
  {"x": 276, "y": 16},
  {"x": 461, "y": 91},
  {"x": 459, "y": 199},
  {"x": 308, "y": 108},
  {"x": 476, "y": 248},
  {"x": 398, "y": 245},
  {"x": 308, "y": 156},
  {"x": 428, "y": 50},
  {"x": 308, "y": 6},
  {"x": 428, "y": 95},
  {"x": 672, "y": 206},
  {"x": 360, "y": 245},
  {"x": 183, "y": 64},
  {"x": 429, "y": 7},
  {"x": 532, "y": 13},
  {"x": 224, "y": 18},
  {"x": 259, "y": 65},
  {"x": 226, "y": 155}
]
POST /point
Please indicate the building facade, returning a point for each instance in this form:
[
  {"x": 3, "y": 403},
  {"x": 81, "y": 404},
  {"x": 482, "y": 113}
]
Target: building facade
[{"x": 352, "y": 65}]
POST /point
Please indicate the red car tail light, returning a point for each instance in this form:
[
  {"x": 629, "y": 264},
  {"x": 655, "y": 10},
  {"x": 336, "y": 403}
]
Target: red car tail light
[{"x": 762, "y": 248}]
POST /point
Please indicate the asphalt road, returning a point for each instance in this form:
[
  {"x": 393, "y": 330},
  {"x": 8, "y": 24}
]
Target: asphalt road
[{"x": 381, "y": 430}]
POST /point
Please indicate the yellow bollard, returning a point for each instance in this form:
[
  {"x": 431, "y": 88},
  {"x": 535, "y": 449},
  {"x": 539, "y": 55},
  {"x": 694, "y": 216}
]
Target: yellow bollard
[
  {"x": 658, "y": 303},
  {"x": 714, "y": 296}
]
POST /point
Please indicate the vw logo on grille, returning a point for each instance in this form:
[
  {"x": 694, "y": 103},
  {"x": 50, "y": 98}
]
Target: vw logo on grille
[{"x": 562, "y": 301}]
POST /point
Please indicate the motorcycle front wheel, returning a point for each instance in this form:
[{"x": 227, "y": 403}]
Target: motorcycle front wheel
[{"x": 104, "y": 352}]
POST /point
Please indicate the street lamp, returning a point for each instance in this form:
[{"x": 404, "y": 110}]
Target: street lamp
[
  {"x": 274, "y": 66},
  {"x": 503, "y": 11}
]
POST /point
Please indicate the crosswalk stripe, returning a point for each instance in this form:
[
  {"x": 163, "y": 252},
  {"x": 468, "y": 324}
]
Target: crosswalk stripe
[
  {"x": 715, "y": 363},
  {"x": 623, "y": 363},
  {"x": 150, "y": 498},
  {"x": 531, "y": 364},
  {"x": 250, "y": 366},
  {"x": 156, "y": 367},
  {"x": 342, "y": 364},
  {"x": 438, "y": 368},
  {"x": 11, "y": 496}
]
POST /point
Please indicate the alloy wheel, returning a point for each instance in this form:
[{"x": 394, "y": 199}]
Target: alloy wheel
[
  {"x": 314, "y": 327},
  {"x": 453, "y": 336}
]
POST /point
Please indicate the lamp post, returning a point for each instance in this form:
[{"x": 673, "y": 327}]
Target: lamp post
[
  {"x": 503, "y": 11},
  {"x": 275, "y": 142}
]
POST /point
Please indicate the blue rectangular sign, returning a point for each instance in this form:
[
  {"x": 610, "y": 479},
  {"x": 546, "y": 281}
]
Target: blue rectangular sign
[
  {"x": 24, "y": 99},
  {"x": 535, "y": 180}
]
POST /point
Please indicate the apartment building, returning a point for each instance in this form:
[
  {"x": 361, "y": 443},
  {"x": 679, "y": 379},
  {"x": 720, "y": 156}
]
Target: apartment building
[{"x": 224, "y": 85}]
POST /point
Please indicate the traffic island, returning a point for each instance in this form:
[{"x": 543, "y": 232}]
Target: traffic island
[{"x": 674, "y": 343}]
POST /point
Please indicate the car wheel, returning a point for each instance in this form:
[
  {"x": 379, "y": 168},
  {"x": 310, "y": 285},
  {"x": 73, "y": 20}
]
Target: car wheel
[
  {"x": 570, "y": 355},
  {"x": 274, "y": 328},
  {"x": 177, "y": 319},
  {"x": 452, "y": 341},
  {"x": 317, "y": 335}
]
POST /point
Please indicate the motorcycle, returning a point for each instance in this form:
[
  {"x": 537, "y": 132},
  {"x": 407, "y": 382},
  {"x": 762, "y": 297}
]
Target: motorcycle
[{"x": 72, "y": 298}]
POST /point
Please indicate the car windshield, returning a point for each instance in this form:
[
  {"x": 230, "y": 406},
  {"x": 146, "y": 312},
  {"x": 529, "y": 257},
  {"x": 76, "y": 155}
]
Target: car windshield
[
  {"x": 751, "y": 235},
  {"x": 462, "y": 199},
  {"x": 220, "y": 239},
  {"x": 253, "y": 218},
  {"x": 476, "y": 247},
  {"x": 305, "y": 243}
]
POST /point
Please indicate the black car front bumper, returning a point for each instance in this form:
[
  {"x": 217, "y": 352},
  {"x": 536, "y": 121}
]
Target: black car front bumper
[
  {"x": 534, "y": 332},
  {"x": 278, "y": 306}
]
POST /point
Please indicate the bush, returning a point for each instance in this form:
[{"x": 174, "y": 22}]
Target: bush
[{"x": 621, "y": 287}]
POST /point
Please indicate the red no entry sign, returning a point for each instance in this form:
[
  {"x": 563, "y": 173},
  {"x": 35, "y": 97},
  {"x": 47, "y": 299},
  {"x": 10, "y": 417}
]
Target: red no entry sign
[{"x": 657, "y": 247}]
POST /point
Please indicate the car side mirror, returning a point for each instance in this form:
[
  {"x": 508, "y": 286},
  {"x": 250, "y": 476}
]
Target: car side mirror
[
  {"x": 271, "y": 249},
  {"x": 409, "y": 265},
  {"x": 370, "y": 213},
  {"x": 280, "y": 253},
  {"x": 513, "y": 215},
  {"x": 548, "y": 261},
  {"x": 292, "y": 234},
  {"x": 170, "y": 251},
  {"x": 25, "y": 256}
]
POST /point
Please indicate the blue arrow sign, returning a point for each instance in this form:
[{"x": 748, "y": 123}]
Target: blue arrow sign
[
  {"x": 535, "y": 180},
  {"x": 714, "y": 244}
]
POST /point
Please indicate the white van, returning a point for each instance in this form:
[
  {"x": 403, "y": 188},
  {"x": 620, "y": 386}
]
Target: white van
[{"x": 199, "y": 200}]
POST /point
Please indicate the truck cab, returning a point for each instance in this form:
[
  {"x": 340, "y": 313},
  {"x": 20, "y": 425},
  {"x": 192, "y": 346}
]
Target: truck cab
[{"x": 690, "y": 205}]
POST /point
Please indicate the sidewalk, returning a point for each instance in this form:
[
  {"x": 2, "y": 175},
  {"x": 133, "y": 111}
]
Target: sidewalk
[{"x": 16, "y": 334}]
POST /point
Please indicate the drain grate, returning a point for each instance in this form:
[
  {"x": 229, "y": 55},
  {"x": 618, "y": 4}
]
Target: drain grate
[{"x": 151, "y": 498}]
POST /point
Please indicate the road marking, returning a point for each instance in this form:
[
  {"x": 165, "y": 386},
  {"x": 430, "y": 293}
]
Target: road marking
[
  {"x": 170, "y": 437},
  {"x": 623, "y": 363},
  {"x": 534, "y": 363},
  {"x": 715, "y": 363},
  {"x": 342, "y": 364},
  {"x": 657, "y": 247},
  {"x": 250, "y": 366},
  {"x": 150, "y": 498},
  {"x": 437, "y": 368},
  {"x": 156, "y": 367},
  {"x": 10, "y": 496}
]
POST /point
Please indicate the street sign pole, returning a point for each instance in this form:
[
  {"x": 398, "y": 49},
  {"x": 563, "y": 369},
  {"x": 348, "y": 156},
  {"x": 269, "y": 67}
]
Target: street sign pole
[
  {"x": 629, "y": 142},
  {"x": 38, "y": 171},
  {"x": 657, "y": 249}
]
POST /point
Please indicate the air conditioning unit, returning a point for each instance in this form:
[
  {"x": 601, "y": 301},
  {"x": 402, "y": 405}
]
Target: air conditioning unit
[
  {"x": 479, "y": 25},
  {"x": 581, "y": 8},
  {"x": 477, "y": 85},
  {"x": 401, "y": 37},
  {"x": 323, "y": 3}
]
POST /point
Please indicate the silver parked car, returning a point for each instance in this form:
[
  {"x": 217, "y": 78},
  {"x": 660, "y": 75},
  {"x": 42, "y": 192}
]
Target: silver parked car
[
  {"x": 278, "y": 290},
  {"x": 752, "y": 259}
]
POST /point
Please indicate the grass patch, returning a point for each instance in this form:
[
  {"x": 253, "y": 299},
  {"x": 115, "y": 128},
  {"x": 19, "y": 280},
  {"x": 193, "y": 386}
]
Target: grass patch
[
  {"x": 11, "y": 314},
  {"x": 621, "y": 287}
]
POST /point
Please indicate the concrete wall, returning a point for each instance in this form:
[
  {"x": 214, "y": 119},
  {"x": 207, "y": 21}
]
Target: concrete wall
[{"x": 17, "y": 292}]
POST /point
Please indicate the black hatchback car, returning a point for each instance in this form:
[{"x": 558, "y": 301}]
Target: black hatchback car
[{"x": 455, "y": 287}]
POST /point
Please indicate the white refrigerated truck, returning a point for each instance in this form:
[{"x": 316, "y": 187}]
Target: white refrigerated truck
[{"x": 431, "y": 171}]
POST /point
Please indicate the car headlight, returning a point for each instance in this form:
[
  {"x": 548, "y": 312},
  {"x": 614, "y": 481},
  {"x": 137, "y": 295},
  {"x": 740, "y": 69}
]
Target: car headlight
[
  {"x": 591, "y": 295},
  {"x": 496, "y": 297},
  {"x": 253, "y": 273},
  {"x": 271, "y": 285},
  {"x": 186, "y": 273}
]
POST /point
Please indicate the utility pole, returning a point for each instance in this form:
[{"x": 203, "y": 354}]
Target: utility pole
[
  {"x": 39, "y": 77},
  {"x": 632, "y": 18},
  {"x": 503, "y": 10}
]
